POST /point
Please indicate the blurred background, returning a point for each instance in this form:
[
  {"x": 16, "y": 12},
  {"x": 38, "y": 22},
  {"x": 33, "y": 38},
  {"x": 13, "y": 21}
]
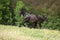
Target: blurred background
[{"x": 50, "y": 8}]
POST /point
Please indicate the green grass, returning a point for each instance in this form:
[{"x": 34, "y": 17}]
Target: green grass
[{"x": 23, "y": 33}]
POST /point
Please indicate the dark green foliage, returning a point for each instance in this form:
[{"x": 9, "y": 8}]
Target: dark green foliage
[
  {"x": 6, "y": 15},
  {"x": 53, "y": 22},
  {"x": 19, "y": 5}
]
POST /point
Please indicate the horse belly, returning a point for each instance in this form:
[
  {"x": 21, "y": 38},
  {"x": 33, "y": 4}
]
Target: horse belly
[{"x": 33, "y": 19}]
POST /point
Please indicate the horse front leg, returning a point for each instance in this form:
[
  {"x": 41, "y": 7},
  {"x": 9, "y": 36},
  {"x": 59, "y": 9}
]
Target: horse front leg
[
  {"x": 35, "y": 24},
  {"x": 22, "y": 23},
  {"x": 40, "y": 25}
]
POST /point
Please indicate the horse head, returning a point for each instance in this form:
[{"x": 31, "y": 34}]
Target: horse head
[{"x": 22, "y": 11}]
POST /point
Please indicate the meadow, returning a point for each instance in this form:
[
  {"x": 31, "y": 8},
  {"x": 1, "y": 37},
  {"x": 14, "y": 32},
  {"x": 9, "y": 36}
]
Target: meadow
[{"x": 24, "y": 33}]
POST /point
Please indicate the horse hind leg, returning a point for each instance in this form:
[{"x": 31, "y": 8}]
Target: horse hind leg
[{"x": 38, "y": 26}]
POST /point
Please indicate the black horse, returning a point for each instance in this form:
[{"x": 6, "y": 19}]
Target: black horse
[{"x": 31, "y": 18}]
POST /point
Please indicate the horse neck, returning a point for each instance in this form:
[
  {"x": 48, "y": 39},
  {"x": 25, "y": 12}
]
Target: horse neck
[{"x": 26, "y": 14}]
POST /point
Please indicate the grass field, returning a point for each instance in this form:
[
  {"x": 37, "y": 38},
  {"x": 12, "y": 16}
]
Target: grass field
[{"x": 22, "y": 33}]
